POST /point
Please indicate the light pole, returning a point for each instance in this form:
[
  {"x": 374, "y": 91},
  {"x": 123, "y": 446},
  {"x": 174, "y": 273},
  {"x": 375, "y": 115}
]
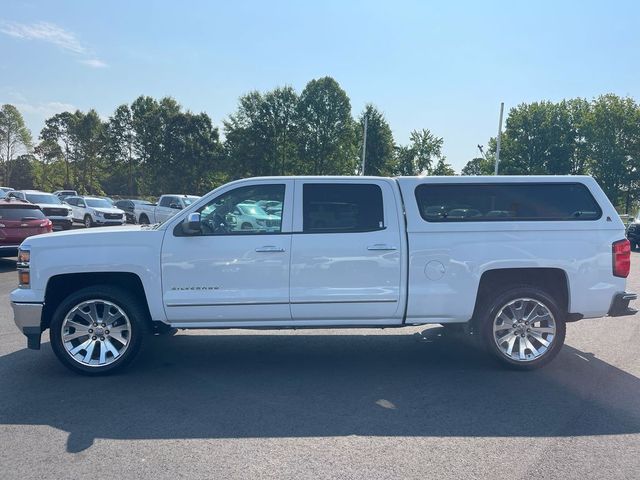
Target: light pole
[
  {"x": 499, "y": 137},
  {"x": 364, "y": 143}
]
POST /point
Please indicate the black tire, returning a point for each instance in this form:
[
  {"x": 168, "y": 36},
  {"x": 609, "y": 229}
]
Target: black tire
[
  {"x": 246, "y": 226},
  {"x": 88, "y": 222},
  {"x": 128, "y": 303},
  {"x": 144, "y": 220},
  {"x": 490, "y": 309}
]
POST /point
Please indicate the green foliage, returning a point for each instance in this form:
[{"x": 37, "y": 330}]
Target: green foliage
[
  {"x": 326, "y": 135},
  {"x": 380, "y": 145},
  {"x": 15, "y": 139},
  {"x": 443, "y": 168},
  {"x": 417, "y": 158}
]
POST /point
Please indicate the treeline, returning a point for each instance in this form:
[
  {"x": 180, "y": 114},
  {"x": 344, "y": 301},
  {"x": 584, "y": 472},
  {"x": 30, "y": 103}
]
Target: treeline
[
  {"x": 599, "y": 137},
  {"x": 154, "y": 146}
]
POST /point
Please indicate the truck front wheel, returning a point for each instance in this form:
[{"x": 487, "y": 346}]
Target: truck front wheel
[
  {"x": 523, "y": 327},
  {"x": 97, "y": 330}
]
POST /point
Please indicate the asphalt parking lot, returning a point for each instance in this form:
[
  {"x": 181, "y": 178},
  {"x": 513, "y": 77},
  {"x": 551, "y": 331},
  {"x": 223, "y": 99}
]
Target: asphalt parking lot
[{"x": 361, "y": 404}]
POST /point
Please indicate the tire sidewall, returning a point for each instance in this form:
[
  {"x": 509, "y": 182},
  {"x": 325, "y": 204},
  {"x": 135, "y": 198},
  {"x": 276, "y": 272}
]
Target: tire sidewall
[
  {"x": 492, "y": 308},
  {"x": 110, "y": 294}
]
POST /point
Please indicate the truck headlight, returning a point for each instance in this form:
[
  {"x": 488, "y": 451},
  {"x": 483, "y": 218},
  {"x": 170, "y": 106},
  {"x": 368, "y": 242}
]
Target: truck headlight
[
  {"x": 24, "y": 261},
  {"x": 98, "y": 214}
]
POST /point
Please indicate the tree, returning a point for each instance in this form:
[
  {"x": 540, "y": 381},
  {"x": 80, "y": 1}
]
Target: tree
[
  {"x": 613, "y": 136},
  {"x": 418, "y": 157},
  {"x": 478, "y": 166},
  {"x": 380, "y": 145},
  {"x": 58, "y": 138},
  {"x": 443, "y": 168},
  {"x": 326, "y": 139},
  {"x": 119, "y": 138},
  {"x": 15, "y": 138},
  {"x": 261, "y": 134}
]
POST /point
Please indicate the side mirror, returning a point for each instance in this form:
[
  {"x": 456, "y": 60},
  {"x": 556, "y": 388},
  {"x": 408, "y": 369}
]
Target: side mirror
[
  {"x": 175, "y": 206},
  {"x": 191, "y": 224}
]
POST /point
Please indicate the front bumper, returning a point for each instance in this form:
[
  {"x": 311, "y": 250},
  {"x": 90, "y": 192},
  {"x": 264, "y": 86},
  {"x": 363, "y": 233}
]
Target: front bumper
[
  {"x": 620, "y": 305},
  {"x": 61, "y": 222},
  {"x": 28, "y": 318}
]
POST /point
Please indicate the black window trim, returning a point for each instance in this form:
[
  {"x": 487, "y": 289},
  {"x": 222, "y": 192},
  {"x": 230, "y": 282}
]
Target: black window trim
[{"x": 507, "y": 219}]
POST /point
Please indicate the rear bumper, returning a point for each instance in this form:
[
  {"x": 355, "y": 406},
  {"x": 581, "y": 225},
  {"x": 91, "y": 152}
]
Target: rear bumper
[
  {"x": 28, "y": 318},
  {"x": 620, "y": 305}
]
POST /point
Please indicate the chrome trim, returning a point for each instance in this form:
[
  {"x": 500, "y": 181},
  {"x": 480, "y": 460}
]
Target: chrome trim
[
  {"x": 27, "y": 314},
  {"x": 239, "y": 304}
]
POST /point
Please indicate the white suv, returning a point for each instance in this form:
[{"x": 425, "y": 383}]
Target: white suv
[{"x": 93, "y": 211}]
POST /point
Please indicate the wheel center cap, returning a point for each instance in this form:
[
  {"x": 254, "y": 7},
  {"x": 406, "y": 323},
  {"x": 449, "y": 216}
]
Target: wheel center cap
[{"x": 99, "y": 331}]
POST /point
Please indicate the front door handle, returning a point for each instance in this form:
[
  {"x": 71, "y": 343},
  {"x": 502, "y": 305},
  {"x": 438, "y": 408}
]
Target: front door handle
[
  {"x": 381, "y": 246},
  {"x": 269, "y": 248}
]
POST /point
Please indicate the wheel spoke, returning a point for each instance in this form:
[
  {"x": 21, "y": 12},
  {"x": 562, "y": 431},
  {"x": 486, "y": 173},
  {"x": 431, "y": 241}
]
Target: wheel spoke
[
  {"x": 522, "y": 354},
  {"x": 540, "y": 339},
  {"x": 118, "y": 336},
  {"x": 103, "y": 354},
  {"x": 111, "y": 347},
  {"x": 530, "y": 346},
  {"x": 89, "y": 354},
  {"x": 80, "y": 347},
  {"x": 505, "y": 338},
  {"x": 543, "y": 329},
  {"x": 512, "y": 342},
  {"x": 77, "y": 334}
]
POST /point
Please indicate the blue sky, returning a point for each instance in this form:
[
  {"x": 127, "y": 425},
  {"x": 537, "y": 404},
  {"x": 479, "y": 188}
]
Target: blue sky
[{"x": 445, "y": 66}]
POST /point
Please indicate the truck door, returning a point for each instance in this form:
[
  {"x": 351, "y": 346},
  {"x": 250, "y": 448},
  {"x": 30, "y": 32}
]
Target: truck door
[
  {"x": 346, "y": 258},
  {"x": 228, "y": 273},
  {"x": 167, "y": 207}
]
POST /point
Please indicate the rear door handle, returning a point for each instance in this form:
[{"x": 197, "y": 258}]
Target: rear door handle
[
  {"x": 269, "y": 248},
  {"x": 381, "y": 246}
]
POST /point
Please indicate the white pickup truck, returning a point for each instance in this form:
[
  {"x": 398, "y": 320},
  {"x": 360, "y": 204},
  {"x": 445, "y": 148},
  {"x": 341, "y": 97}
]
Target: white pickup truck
[
  {"x": 167, "y": 207},
  {"x": 533, "y": 254}
]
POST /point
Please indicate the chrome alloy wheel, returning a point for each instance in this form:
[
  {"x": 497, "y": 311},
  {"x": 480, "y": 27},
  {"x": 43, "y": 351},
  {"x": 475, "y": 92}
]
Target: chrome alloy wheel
[
  {"x": 95, "y": 333},
  {"x": 524, "y": 329}
]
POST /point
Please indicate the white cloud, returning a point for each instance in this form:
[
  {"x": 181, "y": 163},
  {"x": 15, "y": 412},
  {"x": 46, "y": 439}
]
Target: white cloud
[
  {"x": 94, "y": 63},
  {"x": 54, "y": 35},
  {"x": 45, "y": 109}
]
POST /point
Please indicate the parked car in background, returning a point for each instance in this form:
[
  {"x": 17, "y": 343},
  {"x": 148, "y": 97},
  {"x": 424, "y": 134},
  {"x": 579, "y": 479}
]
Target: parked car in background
[
  {"x": 95, "y": 211},
  {"x": 250, "y": 216},
  {"x": 129, "y": 205},
  {"x": 62, "y": 194},
  {"x": 51, "y": 205},
  {"x": 6, "y": 189},
  {"x": 633, "y": 232},
  {"x": 167, "y": 207},
  {"x": 18, "y": 220}
]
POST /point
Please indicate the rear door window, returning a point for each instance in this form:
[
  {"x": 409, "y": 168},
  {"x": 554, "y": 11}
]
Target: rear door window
[
  {"x": 341, "y": 208},
  {"x": 506, "y": 202}
]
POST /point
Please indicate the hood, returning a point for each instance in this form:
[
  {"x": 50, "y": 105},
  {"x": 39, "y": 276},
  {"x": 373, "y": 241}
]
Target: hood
[
  {"x": 54, "y": 205},
  {"x": 106, "y": 210},
  {"x": 87, "y": 236}
]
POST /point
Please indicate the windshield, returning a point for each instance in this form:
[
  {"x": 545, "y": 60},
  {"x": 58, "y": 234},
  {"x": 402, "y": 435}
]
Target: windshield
[
  {"x": 42, "y": 198},
  {"x": 21, "y": 213},
  {"x": 189, "y": 200},
  {"x": 98, "y": 203}
]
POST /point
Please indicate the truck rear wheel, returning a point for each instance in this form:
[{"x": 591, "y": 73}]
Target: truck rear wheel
[
  {"x": 523, "y": 327},
  {"x": 144, "y": 220},
  {"x": 97, "y": 330}
]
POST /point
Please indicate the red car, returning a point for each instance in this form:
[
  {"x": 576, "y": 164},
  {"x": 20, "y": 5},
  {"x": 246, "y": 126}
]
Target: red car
[{"x": 19, "y": 220}]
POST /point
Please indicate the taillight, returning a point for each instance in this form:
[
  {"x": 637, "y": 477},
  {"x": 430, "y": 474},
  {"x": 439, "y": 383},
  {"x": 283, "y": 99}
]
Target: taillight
[{"x": 621, "y": 255}]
